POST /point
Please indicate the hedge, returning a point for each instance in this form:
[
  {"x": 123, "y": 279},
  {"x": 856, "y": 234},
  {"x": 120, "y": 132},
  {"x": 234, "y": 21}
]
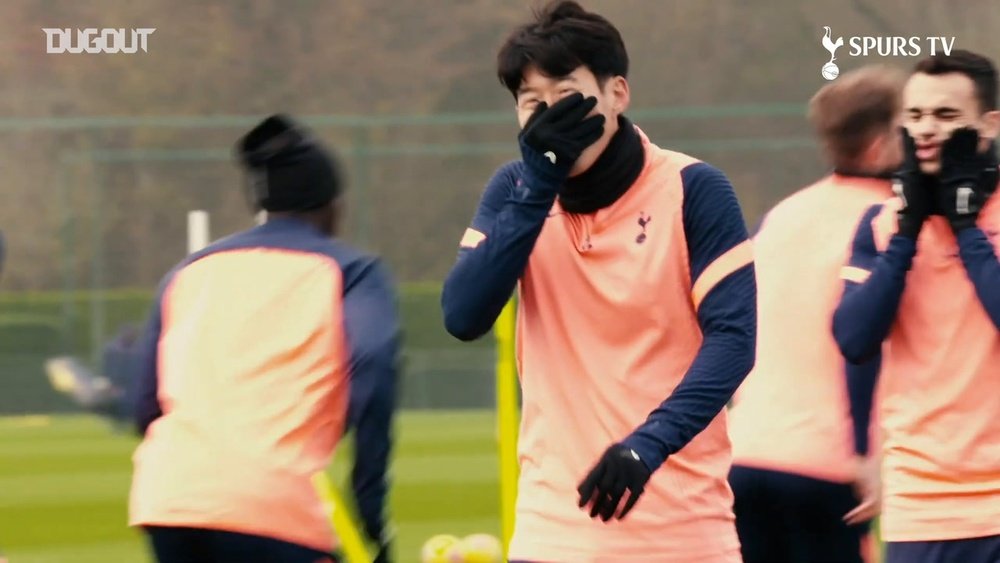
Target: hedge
[{"x": 438, "y": 370}]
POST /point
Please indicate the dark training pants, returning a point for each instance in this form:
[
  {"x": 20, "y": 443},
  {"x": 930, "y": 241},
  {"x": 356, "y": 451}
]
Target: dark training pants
[
  {"x": 195, "y": 545},
  {"x": 786, "y": 518},
  {"x": 972, "y": 550}
]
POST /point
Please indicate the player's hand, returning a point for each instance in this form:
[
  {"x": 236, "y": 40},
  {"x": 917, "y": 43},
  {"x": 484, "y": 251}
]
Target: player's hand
[
  {"x": 967, "y": 178},
  {"x": 618, "y": 471},
  {"x": 554, "y": 137},
  {"x": 868, "y": 489},
  {"x": 914, "y": 189}
]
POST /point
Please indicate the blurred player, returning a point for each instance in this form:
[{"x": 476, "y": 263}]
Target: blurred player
[
  {"x": 800, "y": 439},
  {"x": 924, "y": 277},
  {"x": 636, "y": 315},
  {"x": 103, "y": 394},
  {"x": 261, "y": 349}
]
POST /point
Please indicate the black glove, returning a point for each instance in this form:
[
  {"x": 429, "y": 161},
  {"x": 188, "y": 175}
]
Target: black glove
[
  {"x": 553, "y": 138},
  {"x": 914, "y": 188},
  {"x": 618, "y": 470},
  {"x": 967, "y": 179}
]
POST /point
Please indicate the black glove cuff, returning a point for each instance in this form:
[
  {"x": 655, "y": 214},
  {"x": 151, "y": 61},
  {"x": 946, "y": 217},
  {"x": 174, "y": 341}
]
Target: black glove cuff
[
  {"x": 959, "y": 224},
  {"x": 909, "y": 226},
  {"x": 545, "y": 175}
]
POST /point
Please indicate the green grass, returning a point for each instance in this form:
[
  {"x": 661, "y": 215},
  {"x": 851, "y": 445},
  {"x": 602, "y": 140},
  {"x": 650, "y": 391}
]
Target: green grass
[{"x": 64, "y": 485}]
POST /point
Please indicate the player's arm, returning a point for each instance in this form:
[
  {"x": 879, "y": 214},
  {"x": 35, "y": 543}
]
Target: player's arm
[
  {"x": 753, "y": 238},
  {"x": 374, "y": 335},
  {"x": 861, "y": 381},
  {"x": 861, "y": 378},
  {"x": 724, "y": 292},
  {"x": 144, "y": 387},
  {"x": 983, "y": 268},
  {"x": 495, "y": 249},
  {"x": 493, "y": 253},
  {"x": 873, "y": 287}
]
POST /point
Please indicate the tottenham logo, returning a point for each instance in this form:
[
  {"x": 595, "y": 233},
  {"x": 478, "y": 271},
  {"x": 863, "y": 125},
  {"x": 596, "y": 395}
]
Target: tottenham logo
[
  {"x": 830, "y": 70},
  {"x": 643, "y": 221},
  {"x": 882, "y": 46}
]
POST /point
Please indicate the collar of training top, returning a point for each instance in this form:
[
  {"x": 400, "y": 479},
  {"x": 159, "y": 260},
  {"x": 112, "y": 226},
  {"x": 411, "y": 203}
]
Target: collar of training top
[
  {"x": 611, "y": 175},
  {"x": 851, "y": 173}
]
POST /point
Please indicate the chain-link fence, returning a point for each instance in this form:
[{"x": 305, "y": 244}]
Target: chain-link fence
[{"x": 119, "y": 191}]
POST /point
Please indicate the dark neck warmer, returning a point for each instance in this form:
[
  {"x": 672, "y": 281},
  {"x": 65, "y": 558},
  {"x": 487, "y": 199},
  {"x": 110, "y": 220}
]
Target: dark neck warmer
[{"x": 610, "y": 177}]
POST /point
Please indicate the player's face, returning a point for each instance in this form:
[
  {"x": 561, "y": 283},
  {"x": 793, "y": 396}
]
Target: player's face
[
  {"x": 934, "y": 106},
  {"x": 612, "y": 101}
]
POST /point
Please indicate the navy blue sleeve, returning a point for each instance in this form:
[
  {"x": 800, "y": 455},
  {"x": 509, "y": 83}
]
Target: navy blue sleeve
[
  {"x": 144, "y": 386},
  {"x": 983, "y": 268},
  {"x": 861, "y": 380},
  {"x": 713, "y": 225},
  {"x": 867, "y": 310},
  {"x": 374, "y": 335},
  {"x": 510, "y": 216}
]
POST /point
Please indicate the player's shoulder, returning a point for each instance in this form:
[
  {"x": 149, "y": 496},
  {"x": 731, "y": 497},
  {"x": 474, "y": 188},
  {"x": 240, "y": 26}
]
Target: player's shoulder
[
  {"x": 806, "y": 198},
  {"x": 704, "y": 186},
  {"x": 358, "y": 266},
  {"x": 693, "y": 172},
  {"x": 674, "y": 161},
  {"x": 836, "y": 196},
  {"x": 347, "y": 255}
]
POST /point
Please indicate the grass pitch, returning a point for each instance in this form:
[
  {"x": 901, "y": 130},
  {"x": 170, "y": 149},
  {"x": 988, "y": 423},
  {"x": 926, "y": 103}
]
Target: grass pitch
[{"x": 64, "y": 485}]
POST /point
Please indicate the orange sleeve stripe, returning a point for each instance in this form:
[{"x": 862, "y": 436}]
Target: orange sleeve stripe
[
  {"x": 471, "y": 238},
  {"x": 854, "y": 274},
  {"x": 733, "y": 259}
]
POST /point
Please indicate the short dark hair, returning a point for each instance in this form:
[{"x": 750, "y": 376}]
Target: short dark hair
[
  {"x": 849, "y": 113},
  {"x": 562, "y": 38},
  {"x": 978, "y": 68}
]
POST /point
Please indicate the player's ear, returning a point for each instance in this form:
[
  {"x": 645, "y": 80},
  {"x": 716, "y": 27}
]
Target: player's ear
[
  {"x": 990, "y": 125},
  {"x": 617, "y": 87}
]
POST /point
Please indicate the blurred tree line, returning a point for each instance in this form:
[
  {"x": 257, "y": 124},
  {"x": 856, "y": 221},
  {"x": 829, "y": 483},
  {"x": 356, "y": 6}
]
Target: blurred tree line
[{"x": 376, "y": 58}]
